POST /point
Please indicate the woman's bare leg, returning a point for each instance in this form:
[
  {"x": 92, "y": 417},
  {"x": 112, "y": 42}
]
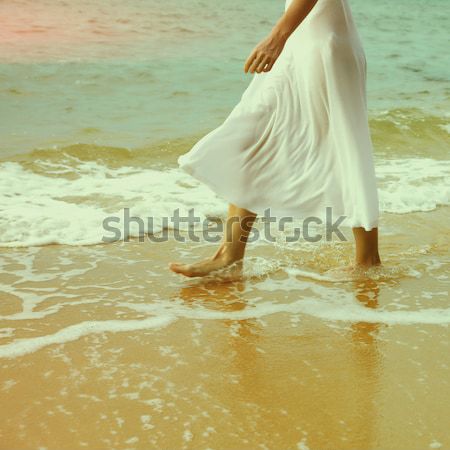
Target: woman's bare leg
[
  {"x": 231, "y": 250},
  {"x": 366, "y": 247}
]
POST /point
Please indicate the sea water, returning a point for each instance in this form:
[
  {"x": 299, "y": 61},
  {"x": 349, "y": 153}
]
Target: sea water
[{"x": 97, "y": 97}]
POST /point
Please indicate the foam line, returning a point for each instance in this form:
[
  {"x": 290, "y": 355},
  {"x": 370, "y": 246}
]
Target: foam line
[{"x": 22, "y": 347}]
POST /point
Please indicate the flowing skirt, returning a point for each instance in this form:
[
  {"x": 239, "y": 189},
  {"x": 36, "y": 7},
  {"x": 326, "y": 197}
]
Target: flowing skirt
[{"x": 298, "y": 142}]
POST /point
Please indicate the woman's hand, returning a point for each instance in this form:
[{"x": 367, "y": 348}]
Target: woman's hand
[{"x": 265, "y": 54}]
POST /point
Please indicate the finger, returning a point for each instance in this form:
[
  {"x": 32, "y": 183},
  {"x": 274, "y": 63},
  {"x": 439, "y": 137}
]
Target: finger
[
  {"x": 256, "y": 62},
  {"x": 249, "y": 61},
  {"x": 269, "y": 65},
  {"x": 263, "y": 64},
  {"x": 251, "y": 65}
]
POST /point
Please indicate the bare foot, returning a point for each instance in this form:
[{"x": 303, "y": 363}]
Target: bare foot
[{"x": 216, "y": 263}]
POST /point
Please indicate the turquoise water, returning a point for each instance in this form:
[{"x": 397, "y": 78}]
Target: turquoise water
[
  {"x": 127, "y": 74},
  {"x": 97, "y": 100}
]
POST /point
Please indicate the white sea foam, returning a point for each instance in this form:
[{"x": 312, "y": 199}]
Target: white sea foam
[
  {"x": 37, "y": 209},
  {"x": 413, "y": 184},
  {"x": 24, "y": 346},
  {"x": 331, "y": 304},
  {"x": 302, "y": 445}
]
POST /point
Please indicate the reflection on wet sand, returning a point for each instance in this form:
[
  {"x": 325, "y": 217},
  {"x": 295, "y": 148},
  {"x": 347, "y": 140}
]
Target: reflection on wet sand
[{"x": 298, "y": 389}]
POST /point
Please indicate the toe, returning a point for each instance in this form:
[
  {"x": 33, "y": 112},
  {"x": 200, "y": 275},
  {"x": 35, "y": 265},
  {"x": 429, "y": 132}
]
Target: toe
[
  {"x": 175, "y": 267},
  {"x": 183, "y": 269}
]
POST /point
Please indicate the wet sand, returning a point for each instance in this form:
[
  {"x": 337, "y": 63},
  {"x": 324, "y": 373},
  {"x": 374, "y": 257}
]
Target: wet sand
[
  {"x": 102, "y": 347},
  {"x": 232, "y": 385}
]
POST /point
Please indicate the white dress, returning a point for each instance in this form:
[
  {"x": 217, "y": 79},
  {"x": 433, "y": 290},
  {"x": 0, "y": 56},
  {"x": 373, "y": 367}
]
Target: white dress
[{"x": 298, "y": 141}]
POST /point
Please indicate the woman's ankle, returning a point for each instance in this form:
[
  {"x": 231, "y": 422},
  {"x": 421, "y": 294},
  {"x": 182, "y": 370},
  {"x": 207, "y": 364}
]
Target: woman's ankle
[
  {"x": 368, "y": 261},
  {"x": 228, "y": 254}
]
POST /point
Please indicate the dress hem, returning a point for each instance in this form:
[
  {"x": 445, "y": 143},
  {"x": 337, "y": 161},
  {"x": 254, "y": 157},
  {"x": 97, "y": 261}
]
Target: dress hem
[{"x": 275, "y": 212}]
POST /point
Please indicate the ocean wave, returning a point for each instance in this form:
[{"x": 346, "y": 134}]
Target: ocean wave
[
  {"x": 67, "y": 201},
  {"x": 410, "y": 132}
]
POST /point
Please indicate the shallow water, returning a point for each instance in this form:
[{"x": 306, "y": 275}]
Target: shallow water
[{"x": 124, "y": 354}]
